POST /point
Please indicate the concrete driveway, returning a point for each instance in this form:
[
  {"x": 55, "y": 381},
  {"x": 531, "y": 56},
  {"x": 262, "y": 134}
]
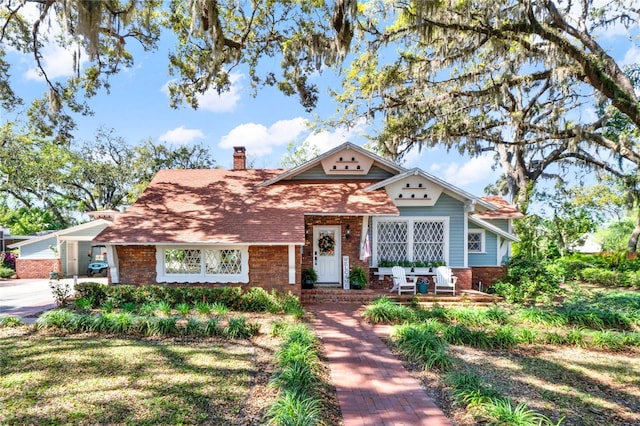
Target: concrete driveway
[{"x": 27, "y": 298}]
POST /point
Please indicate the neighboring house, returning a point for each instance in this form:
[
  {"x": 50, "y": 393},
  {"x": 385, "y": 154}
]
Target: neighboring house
[
  {"x": 67, "y": 252},
  {"x": 345, "y": 208},
  {"x": 587, "y": 243}
]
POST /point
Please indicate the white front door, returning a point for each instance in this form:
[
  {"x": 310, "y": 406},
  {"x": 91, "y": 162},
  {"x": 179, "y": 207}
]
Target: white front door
[
  {"x": 72, "y": 258},
  {"x": 326, "y": 253}
]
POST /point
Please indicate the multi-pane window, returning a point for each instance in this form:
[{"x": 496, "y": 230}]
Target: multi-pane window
[
  {"x": 202, "y": 264},
  {"x": 475, "y": 241},
  {"x": 411, "y": 239},
  {"x": 222, "y": 262},
  {"x": 428, "y": 241},
  {"x": 392, "y": 241},
  {"x": 182, "y": 261}
]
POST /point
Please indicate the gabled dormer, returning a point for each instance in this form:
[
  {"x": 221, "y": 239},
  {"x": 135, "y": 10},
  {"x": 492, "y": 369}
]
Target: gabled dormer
[
  {"x": 415, "y": 188},
  {"x": 347, "y": 161}
]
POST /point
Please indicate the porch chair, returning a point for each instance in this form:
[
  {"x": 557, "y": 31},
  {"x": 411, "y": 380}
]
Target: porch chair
[
  {"x": 400, "y": 281},
  {"x": 445, "y": 280}
]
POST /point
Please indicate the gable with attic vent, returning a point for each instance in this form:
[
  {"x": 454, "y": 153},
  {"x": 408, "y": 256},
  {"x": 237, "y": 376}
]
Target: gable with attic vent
[{"x": 414, "y": 190}]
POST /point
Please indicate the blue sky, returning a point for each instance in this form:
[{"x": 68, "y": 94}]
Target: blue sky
[{"x": 138, "y": 109}]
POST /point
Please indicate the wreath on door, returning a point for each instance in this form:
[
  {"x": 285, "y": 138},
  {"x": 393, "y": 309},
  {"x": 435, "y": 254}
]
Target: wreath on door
[{"x": 326, "y": 244}]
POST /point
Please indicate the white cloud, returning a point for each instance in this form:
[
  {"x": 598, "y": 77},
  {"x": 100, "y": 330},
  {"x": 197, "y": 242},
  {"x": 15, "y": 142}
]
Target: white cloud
[
  {"x": 213, "y": 101},
  {"x": 225, "y": 101},
  {"x": 56, "y": 61},
  {"x": 260, "y": 140},
  {"x": 475, "y": 170},
  {"x": 181, "y": 135},
  {"x": 326, "y": 140}
]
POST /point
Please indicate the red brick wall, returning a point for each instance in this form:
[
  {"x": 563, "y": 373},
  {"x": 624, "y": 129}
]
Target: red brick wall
[
  {"x": 37, "y": 268},
  {"x": 464, "y": 278},
  {"x": 268, "y": 267},
  {"x": 487, "y": 275},
  {"x": 350, "y": 247},
  {"x": 137, "y": 264}
]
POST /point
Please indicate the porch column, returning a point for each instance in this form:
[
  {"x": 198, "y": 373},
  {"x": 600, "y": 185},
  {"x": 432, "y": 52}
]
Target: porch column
[
  {"x": 112, "y": 259},
  {"x": 292, "y": 264}
]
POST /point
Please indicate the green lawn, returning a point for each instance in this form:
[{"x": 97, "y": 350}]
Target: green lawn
[
  {"x": 577, "y": 360},
  {"x": 88, "y": 379}
]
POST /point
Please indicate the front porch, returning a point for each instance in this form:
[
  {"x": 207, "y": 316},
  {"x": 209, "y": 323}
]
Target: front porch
[{"x": 338, "y": 295}]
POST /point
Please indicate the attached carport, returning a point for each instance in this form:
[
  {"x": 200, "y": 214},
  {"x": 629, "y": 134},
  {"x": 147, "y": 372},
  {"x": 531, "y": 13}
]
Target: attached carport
[{"x": 67, "y": 252}]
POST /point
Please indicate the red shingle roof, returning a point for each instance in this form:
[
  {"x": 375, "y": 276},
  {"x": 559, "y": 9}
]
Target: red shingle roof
[
  {"x": 227, "y": 207},
  {"x": 504, "y": 211}
]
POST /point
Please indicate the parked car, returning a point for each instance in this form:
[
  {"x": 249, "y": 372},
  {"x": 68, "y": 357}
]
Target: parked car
[{"x": 97, "y": 267}]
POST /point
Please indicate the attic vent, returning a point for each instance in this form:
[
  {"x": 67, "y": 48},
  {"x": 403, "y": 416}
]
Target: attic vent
[
  {"x": 419, "y": 185},
  {"x": 335, "y": 167},
  {"x": 358, "y": 167},
  {"x": 353, "y": 158},
  {"x": 413, "y": 195},
  {"x": 408, "y": 185},
  {"x": 400, "y": 196},
  {"x": 426, "y": 196},
  {"x": 340, "y": 159},
  {"x": 346, "y": 167}
]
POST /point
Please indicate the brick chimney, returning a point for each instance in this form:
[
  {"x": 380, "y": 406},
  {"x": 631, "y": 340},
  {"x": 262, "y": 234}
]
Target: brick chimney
[{"x": 239, "y": 158}]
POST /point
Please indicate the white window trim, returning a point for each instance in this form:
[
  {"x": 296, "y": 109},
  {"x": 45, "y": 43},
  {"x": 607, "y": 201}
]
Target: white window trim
[
  {"x": 483, "y": 248},
  {"x": 410, "y": 220},
  {"x": 202, "y": 277}
]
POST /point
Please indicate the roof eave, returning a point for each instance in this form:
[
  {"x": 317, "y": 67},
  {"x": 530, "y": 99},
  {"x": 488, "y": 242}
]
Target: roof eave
[{"x": 494, "y": 229}]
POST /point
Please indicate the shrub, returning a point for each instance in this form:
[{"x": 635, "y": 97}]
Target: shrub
[
  {"x": 420, "y": 344},
  {"x": 8, "y": 261},
  {"x": 528, "y": 280},
  {"x": 385, "y": 311},
  {"x": 96, "y": 292},
  {"x": 6, "y": 272},
  {"x": 10, "y": 322},
  {"x": 61, "y": 291},
  {"x": 212, "y": 327},
  {"x": 167, "y": 326},
  {"x": 203, "y": 308},
  {"x": 295, "y": 409},
  {"x": 193, "y": 327},
  {"x": 501, "y": 411},
  {"x": 256, "y": 299},
  {"x": 59, "y": 318},
  {"x": 83, "y": 304},
  {"x": 570, "y": 266},
  {"x": 607, "y": 339},
  {"x": 497, "y": 315},
  {"x": 239, "y": 328},
  {"x": 469, "y": 390},
  {"x": 601, "y": 276},
  {"x": 299, "y": 402},
  {"x": 183, "y": 308}
]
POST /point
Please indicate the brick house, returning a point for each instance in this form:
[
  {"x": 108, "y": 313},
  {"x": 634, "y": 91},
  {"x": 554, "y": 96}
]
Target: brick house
[{"x": 345, "y": 208}]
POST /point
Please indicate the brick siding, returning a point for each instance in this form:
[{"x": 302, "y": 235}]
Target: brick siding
[
  {"x": 268, "y": 268},
  {"x": 137, "y": 264},
  {"x": 488, "y": 275},
  {"x": 349, "y": 247},
  {"x": 464, "y": 278},
  {"x": 36, "y": 268}
]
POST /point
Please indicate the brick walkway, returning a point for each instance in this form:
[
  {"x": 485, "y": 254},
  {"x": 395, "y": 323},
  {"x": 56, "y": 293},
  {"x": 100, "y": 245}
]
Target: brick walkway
[{"x": 373, "y": 387}]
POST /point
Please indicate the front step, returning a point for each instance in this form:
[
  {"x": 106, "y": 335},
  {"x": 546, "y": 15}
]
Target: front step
[{"x": 338, "y": 295}]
